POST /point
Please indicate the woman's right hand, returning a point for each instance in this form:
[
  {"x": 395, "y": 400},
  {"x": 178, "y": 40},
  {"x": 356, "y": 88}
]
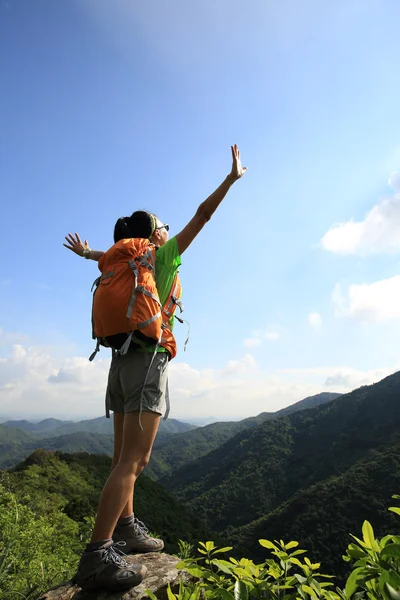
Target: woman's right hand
[{"x": 75, "y": 244}]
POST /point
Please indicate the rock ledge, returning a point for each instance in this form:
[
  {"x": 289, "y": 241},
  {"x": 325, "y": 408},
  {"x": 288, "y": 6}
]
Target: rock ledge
[{"x": 161, "y": 571}]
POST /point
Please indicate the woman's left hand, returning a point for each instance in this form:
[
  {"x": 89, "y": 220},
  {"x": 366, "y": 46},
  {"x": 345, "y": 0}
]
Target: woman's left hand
[
  {"x": 75, "y": 244},
  {"x": 237, "y": 170}
]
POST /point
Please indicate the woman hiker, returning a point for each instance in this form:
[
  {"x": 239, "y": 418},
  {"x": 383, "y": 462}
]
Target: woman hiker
[{"x": 137, "y": 396}]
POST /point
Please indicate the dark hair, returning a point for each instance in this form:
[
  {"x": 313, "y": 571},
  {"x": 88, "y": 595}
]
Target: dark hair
[{"x": 140, "y": 224}]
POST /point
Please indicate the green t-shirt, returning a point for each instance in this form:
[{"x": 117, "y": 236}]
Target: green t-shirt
[{"x": 168, "y": 262}]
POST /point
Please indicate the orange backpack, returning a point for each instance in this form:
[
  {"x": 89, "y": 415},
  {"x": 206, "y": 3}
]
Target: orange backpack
[{"x": 126, "y": 301}]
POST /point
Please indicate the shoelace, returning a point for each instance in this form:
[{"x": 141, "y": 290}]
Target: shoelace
[
  {"x": 141, "y": 526},
  {"x": 114, "y": 555}
]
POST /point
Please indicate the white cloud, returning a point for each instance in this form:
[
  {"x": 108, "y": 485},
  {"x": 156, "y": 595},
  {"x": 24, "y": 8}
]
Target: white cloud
[
  {"x": 315, "y": 320},
  {"x": 243, "y": 365},
  {"x": 343, "y": 379},
  {"x": 374, "y": 302},
  {"x": 34, "y": 383},
  {"x": 378, "y": 233},
  {"x": 213, "y": 392}
]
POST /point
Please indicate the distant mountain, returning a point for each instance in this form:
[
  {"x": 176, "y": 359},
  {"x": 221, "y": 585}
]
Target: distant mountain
[
  {"x": 42, "y": 427},
  {"x": 18, "y": 439},
  {"x": 176, "y": 443},
  {"x": 11, "y": 435},
  {"x": 81, "y": 441},
  {"x": 55, "y": 427},
  {"x": 260, "y": 468},
  {"x": 16, "y": 444},
  {"x": 12, "y": 445},
  {"x": 309, "y": 402},
  {"x": 202, "y": 421},
  {"x": 184, "y": 448}
]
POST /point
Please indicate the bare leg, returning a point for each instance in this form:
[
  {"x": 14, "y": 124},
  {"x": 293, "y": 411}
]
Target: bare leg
[
  {"x": 134, "y": 456},
  {"x": 118, "y": 434}
]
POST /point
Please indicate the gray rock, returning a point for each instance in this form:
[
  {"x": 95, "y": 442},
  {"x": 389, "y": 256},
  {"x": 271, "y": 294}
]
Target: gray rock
[{"x": 161, "y": 571}]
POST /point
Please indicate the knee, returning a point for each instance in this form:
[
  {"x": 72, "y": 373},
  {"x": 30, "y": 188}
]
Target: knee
[
  {"x": 134, "y": 467},
  {"x": 142, "y": 463}
]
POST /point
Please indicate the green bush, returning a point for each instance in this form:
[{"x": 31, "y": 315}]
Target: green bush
[{"x": 36, "y": 552}]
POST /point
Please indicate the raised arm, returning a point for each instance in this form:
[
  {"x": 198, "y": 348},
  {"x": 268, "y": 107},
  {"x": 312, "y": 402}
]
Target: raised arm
[
  {"x": 210, "y": 205},
  {"x": 76, "y": 245}
]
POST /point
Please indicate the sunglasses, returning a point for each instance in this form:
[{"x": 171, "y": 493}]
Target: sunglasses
[{"x": 166, "y": 227}]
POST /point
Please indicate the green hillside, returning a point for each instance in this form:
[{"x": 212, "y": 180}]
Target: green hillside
[
  {"x": 186, "y": 447},
  {"x": 322, "y": 516},
  {"x": 47, "y": 506},
  {"x": 180, "y": 451},
  {"x": 259, "y": 469},
  {"x": 73, "y": 483}
]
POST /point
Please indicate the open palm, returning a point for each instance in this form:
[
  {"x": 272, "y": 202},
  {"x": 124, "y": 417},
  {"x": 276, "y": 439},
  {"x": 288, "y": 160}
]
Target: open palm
[
  {"x": 237, "y": 170},
  {"x": 75, "y": 244}
]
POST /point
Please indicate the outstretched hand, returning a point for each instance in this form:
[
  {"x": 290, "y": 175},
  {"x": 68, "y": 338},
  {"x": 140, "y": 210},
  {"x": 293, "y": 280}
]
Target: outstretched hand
[
  {"x": 237, "y": 170},
  {"x": 75, "y": 244}
]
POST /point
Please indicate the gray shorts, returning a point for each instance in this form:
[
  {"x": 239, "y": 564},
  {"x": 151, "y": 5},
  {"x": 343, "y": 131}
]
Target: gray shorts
[{"x": 125, "y": 392}]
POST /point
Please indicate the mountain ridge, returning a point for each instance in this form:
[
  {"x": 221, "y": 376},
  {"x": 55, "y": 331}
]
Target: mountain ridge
[
  {"x": 267, "y": 464},
  {"x": 189, "y": 446}
]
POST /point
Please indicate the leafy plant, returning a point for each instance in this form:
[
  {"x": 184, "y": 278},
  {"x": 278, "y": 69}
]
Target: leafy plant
[
  {"x": 284, "y": 577},
  {"x": 185, "y": 550},
  {"x": 377, "y": 566}
]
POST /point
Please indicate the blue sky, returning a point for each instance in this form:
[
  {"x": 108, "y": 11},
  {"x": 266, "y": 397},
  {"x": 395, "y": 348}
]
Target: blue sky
[{"x": 108, "y": 107}]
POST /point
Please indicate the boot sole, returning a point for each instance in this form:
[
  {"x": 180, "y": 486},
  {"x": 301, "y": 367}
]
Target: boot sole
[
  {"x": 96, "y": 585},
  {"x": 136, "y": 550}
]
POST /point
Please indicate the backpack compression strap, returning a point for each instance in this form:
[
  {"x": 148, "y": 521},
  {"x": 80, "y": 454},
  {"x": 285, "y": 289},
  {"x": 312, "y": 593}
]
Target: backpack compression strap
[{"x": 147, "y": 260}]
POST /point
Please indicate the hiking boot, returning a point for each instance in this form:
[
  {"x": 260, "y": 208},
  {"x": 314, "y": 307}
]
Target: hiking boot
[
  {"x": 106, "y": 568},
  {"x": 136, "y": 537}
]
